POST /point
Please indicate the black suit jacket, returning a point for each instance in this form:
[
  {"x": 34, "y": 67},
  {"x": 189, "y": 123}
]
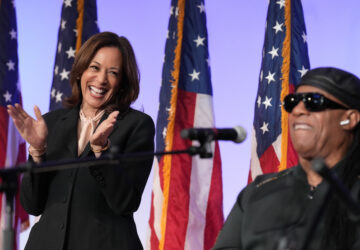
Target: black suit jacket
[
  {"x": 276, "y": 211},
  {"x": 89, "y": 208}
]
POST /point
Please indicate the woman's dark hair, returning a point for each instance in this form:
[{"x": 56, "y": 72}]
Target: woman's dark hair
[
  {"x": 340, "y": 230},
  {"x": 128, "y": 90}
]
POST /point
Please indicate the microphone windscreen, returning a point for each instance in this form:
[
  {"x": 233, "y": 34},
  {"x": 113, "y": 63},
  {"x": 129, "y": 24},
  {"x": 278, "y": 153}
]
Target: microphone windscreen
[
  {"x": 241, "y": 134},
  {"x": 185, "y": 133}
]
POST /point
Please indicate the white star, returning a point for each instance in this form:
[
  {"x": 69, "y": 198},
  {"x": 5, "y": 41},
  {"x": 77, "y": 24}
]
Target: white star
[
  {"x": 7, "y": 96},
  {"x": 67, "y": 3},
  {"x": 174, "y": 35},
  {"x": 267, "y": 102},
  {"x": 167, "y": 34},
  {"x": 177, "y": 11},
  {"x": 11, "y": 65},
  {"x": 261, "y": 75},
  {"x": 258, "y": 101},
  {"x": 164, "y": 132},
  {"x": 270, "y": 77},
  {"x": 281, "y": 3},
  {"x": 53, "y": 93},
  {"x": 304, "y": 37},
  {"x": 171, "y": 10},
  {"x": 201, "y": 7},
  {"x": 59, "y": 48},
  {"x": 70, "y": 52},
  {"x": 194, "y": 75},
  {"x": 273, "y": 52},
  {"x": 303, "y": 71},
  {"x": 277, "y": 27},
  {"x": 199, "y": 41},
  {"x": 58, "y": 96},
  {"x": 56, "y": 70},
  {"x": 169, "y": 110},
  {"x": 76, "y": 32},
  {"x": 64, "y": 74},
  {"x": 63, "y": 24},
  {"x": 265, "y": 128},
  {"x": 13, "y": 34}
]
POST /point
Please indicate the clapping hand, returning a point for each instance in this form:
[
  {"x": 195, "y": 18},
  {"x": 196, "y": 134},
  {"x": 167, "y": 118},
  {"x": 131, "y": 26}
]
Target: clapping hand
[
  {"x": 100, "y": 137},
  {"x": 33, "y": 131}
]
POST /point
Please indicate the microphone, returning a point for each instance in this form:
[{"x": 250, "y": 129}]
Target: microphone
[
  {"x": 236, "y": 134},
  {"x": 338, "y": 186}
]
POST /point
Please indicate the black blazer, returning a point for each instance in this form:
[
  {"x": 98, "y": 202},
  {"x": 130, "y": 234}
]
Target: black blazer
[{"x": 89, "y": 208}]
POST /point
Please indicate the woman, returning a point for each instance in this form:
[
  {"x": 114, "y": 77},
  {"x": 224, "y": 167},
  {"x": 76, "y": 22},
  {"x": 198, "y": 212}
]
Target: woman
[{"x": 89, "y": 208}]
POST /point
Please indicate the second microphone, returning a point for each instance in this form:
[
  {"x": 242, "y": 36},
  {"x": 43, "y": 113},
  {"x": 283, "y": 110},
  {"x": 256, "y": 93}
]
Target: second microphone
[{"x": 236, "y": 134}]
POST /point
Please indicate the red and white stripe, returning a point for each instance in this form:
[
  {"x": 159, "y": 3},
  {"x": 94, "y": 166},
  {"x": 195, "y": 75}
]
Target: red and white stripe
[
  {"x": 194, "y": 213},
  {"x": 12, "y": 152}
]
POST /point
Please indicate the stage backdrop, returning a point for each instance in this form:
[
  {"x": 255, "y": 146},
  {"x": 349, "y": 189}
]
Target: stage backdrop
[{"x": 236, "y": 36}]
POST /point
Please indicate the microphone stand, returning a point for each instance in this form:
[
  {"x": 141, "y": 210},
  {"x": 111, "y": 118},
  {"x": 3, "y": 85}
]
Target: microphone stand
[
  {"x": 9, "y": 176},
  {"x": 9, "y": 186},
  {"x": 337, "y": 187}
]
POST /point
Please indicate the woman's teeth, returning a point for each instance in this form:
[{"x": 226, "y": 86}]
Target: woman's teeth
[{"x": 96, "y": 91}]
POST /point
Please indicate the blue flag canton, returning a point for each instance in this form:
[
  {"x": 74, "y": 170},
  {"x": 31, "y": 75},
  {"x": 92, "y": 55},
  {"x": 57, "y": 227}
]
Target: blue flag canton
[
  {"x": 195, "y": 62},
  {"x": 167, "y": 79},
  {"x": 9, "y": 64},
  {"x": 194, "y": 65},
  {"x": 90, "y": 20},
  {"x": 299, "y": 49},
  {"x": 66, "y": 47},
  {"x": 267, "y": 121}
]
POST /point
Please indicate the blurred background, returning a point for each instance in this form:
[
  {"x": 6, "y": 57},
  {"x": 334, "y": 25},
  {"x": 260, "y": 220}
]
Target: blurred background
[{"x": 236, "y": 35}]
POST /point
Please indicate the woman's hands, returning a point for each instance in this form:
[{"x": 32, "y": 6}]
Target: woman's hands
[
  {"x": 33, "y": 131},
  {"x": 100, "y": 137}
]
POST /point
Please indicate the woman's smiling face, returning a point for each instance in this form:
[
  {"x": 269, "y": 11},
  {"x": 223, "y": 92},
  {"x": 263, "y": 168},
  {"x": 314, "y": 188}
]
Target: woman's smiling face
[{"x": 101, "y": 80}]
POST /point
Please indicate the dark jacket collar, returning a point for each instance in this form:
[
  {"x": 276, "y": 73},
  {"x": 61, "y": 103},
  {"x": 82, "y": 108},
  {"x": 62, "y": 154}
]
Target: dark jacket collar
[{"x": 70, "y": 124}]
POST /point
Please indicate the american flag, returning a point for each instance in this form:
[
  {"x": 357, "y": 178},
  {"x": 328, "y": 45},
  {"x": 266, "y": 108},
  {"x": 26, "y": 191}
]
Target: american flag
[
  {"x": 78, "y": 23},
  {"x": 186, "y": 207},
  {"x": 12, "y": 146},
  {"x": 285, "y": 61}
]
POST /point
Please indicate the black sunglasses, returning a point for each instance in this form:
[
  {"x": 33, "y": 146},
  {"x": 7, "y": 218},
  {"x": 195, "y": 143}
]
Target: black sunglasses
[{"x": 313, "y": 102}]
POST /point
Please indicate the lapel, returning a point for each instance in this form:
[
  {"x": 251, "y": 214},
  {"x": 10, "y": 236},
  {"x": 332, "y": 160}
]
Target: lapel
[{"x": 69, "y": 127}]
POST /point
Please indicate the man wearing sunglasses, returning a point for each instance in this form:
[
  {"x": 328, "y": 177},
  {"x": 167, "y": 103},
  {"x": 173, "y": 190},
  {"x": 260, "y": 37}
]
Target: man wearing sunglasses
[{"x": 277, "y": 210}]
